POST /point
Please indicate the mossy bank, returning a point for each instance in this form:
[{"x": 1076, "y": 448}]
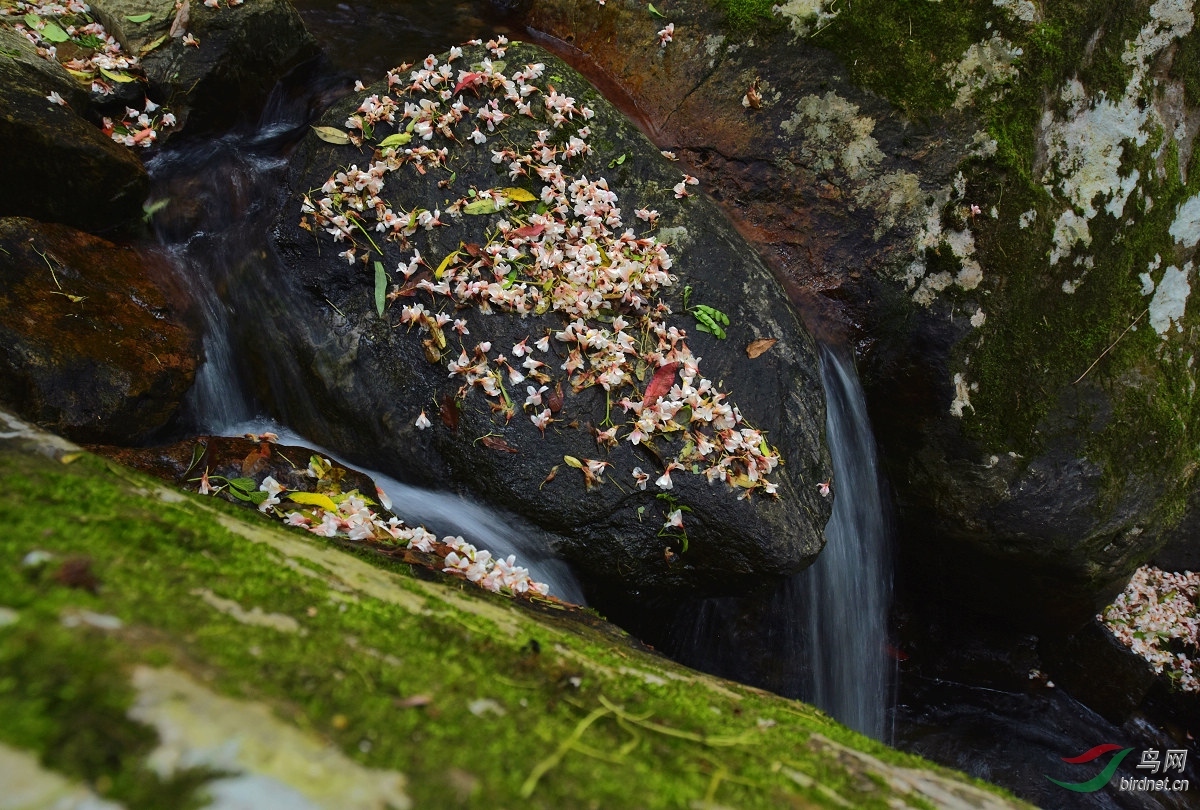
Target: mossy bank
[{"x": 158, "y": 647}]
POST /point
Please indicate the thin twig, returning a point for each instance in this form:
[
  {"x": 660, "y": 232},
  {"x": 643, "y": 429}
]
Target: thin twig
[{"x": 1114, "y": 343}]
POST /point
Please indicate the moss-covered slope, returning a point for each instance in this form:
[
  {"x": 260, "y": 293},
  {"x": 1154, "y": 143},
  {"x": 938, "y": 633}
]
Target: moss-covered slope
[{"x": 158, "y": 647}]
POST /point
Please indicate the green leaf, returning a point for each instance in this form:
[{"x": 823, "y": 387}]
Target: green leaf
[
  {"x": 32, "y": 20},
  {"x": 313, "y": 499},
  {"x": 139, "y": 18},
  {"x": 656, "y": 12},
  {"x": 258, "y": 496},
  {"x": 481, "y": 207},
  {"x": 245, "y": 484},
  {"x": 399, "y": 139},
  {"x": 332, "y": 135},
  {"x": 53, "y": 33},
  {"x": 380, "y": 288}
]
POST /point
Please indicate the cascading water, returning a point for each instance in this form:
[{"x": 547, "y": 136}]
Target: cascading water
[
  {"x": 224, "y": 194},
  {"x": 848, "y": 591},
  {"x": 821, "y": 636}
]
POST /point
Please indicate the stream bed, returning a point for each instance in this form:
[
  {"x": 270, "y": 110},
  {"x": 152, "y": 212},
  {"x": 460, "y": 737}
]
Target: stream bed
[{"x": 825, "y": 636}]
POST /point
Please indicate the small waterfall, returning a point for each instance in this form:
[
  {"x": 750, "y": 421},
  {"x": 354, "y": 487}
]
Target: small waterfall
[
  {"x": 848, "y": 591},
  {"x": 822, "y": 635},
  {"x": 447, "y": 513},
  {"x": 224, "y": 195}
]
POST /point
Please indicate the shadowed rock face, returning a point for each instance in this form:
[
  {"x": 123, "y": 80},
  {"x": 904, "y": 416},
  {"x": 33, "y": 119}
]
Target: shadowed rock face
[
  {"x": 67, "y": 171},
  {"x": 975, "y": 208},
  {"x": 92, "y": 345},
  {"x": 351, "y": 378}
]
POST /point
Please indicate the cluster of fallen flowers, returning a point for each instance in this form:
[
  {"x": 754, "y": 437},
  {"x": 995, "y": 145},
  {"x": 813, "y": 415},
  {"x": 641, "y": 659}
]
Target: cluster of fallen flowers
[
  {"x": 569, "y": 252},
  {"x": 100, "y": 65},
  {"x": 139, "y": 127},
  {"x": 101, "y": 62},
  {"x": 1156, "y": 616},
  {"x": 329, "y": 512}
]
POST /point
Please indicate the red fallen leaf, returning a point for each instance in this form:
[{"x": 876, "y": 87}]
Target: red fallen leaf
[
  {"x": 663, "y": 379},
  {"x": 554, "y": 399},
  {"x": 896, "y": 654},
  {"x": 472, "y": 249},
  {"x": 529, "y": 231},
  {"x": 449, "y": 412},
  {"x": 469, "y": 79},
  {"x": 497, "y": 443}
]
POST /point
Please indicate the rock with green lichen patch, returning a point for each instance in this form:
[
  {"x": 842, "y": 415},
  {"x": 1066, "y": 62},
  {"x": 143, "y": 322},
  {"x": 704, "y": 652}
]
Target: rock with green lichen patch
[{"x": 977, "y": 191}]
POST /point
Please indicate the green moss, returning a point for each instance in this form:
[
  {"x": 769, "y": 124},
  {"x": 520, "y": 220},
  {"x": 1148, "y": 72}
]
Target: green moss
[
  {"x": 1038, "y": 340},
  {"x": 1185, "y": 67},
  {"x": 364, "y": 652},
  {"x": 745, "y": 15},
  {"x": 898, "y": 48}
]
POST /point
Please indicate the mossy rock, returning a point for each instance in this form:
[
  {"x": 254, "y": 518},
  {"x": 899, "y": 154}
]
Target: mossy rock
[
  {"x": 160, "y": 649},
  {"x": 93, "y": 344},
  {"x": 359, "y": 379},
  {"x": 948, "y": 185}
]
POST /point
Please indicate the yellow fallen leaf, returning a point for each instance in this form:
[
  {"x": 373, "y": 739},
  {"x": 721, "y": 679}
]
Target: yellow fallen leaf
[
  {"x": 573, "y": 462},
  {"x": 518, "y": 195},
  {"x": 313, "y": 499},
  {"x": 441, "y": 268},
  {"x": 332, "y": 135}
]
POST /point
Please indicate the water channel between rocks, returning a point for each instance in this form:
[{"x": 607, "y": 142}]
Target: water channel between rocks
[{"x": 822, "y": 636}]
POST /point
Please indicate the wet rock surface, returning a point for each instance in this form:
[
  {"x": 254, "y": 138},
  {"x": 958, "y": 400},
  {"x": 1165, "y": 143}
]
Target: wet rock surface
[
  {"x": 92, "y": 345},
  {"x": 369, "y": 377},
  {"x": 68, "y": 170}
]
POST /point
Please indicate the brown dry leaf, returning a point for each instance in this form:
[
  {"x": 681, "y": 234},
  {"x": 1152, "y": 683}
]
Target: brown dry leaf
[
  {"x": 180, "y": 23},
  {"x": 759, "y": 346},
  {"x": 497, "y": 443},
  {"x": 76, "y": 572},
  {"x": 554, "y": 399},
  {"x": 256, "y": 460},
  {"x": 449, "y": 412},
  {"x": 550, "y": 477}
]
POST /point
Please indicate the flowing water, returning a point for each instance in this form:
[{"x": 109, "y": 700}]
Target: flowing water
[
  {"x": 847, "y": 593},
  {"x": 822, "y": 636},
  {"x": 223, "y": 195}
]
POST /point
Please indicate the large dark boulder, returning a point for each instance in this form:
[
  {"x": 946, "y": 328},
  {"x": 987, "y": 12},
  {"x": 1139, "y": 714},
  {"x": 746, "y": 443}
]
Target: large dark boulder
[
  {"x": 351, "y": 378},
  {"x": 243, "y": 50},
  {"x": 92, "y": 342},
  {"x": 59, "y": 166},
  {"x": 972, "y": 194}
]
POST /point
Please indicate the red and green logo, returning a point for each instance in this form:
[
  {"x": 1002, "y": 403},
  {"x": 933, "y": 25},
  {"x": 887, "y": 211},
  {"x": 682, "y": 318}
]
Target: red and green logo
[{"x": 1099, "y": 780}]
